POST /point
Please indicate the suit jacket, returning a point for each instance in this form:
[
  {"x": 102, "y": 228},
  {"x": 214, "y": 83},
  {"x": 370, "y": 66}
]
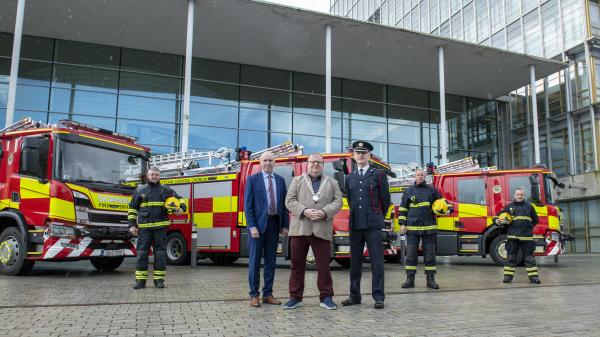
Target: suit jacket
[
  {"x": 256, "y": 204},
  {"x": 368, "y": 198},
  {"x": 299, "y": 198}
]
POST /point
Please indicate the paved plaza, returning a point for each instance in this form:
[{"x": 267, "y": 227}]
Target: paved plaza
[{"x": 71, "y": 299}]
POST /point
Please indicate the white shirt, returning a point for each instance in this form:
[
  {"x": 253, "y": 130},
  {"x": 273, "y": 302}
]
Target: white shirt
[{"x": 364, "y": 168}]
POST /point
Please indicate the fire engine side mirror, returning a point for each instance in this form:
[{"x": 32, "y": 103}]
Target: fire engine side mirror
[
  {"x": 340, "y": 166},
  {"x": 340, "y": 178}
]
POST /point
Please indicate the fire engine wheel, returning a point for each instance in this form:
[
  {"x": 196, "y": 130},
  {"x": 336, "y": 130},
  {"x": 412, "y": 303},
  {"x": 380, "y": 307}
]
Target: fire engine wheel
[
  {"x": 397, "y": 258},
  {"x": 343, "y": 262},
  {"x": 104, "y": 264},
  {"x": 177, "y": 252},
  {"x": 13, "y": 253},
  {"x": 498, "y": 251}
]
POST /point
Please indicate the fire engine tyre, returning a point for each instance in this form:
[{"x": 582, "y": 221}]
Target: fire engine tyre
[
  {"x": 106, "y": 264},
  {"x": 498, "y": 251},
  {"x": 343, "y": 262},
  {"x": 396, "y": 258},
  {"x": 223, "y": 260},
  {"x": 177, "y": 250},
  {"x": 13, "y": 253}
]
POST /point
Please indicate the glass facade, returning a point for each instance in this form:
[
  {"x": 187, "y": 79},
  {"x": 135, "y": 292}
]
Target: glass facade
[{"x": 140, "y": 93}]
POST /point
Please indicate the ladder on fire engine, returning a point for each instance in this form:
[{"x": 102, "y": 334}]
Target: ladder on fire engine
[
  {"x": 406, "y": 173},
  {"x": 23, "y": 124},
  {"x": 188, "y": 163}
]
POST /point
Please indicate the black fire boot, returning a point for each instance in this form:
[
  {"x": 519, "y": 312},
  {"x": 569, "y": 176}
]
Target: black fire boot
[
  {"x": 507, "y": 279},
  {"x": 534, "y": 279},
  {"x": 140, "y": 284},
  {"x": 159, "y": 284},
  {"x": 410, "y": 281},
  {"x": 431, "y": 282}
]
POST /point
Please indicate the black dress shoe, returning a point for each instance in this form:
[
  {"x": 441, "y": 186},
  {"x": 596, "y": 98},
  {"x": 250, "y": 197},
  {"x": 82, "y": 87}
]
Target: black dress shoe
[
  {"x": 349, "y": 301},
  {"x": 378, "y": 305}
]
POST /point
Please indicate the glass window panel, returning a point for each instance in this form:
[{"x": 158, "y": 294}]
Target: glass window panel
[
  {"x": 36, "y": 48},
  {"x": 3, "y": 94},
  {"x": 551, "y": 28},
  {"x": 533, "y": 38},
  {"x": 483, "y": 20},
  {"x": 404, "y": 154},
  {"x": 4, "y": 69},
  {"x": 445, "y": 29},
  {"x": 424, "y": 7},
  {"x": 6, "y": 41},
  {"x": 471, "y": 191},
  {"x": 264, "y": 98},
  {"x": 309, "y": 125},
  {"x": 572, "y": 23},
  {"x": 149, "y": 85},
  {"x": 145, "y": 108},
  {"x": 265, "y": 77},
  {"x": 86, "y": 54},
  {"x": 281, "y": 121},
  {"x": 408, "y": 96},
  {"x": 469, "y": 20},
  {"x": 151, "y": 132},
  {"x": 434, "y": 14},
  {"x": 279, "y": 138},
  {"x": 311, "y": 144},
  {"x": 514, "y": 37},
  {"x": 455, "y": 6},
  {"x": 101, "y": 122},
  {"x": 36, "y": 73},
  {"x": 253, "y": 140},
  {"x": 2, "y": 117},
  {"x": 414, "y": 19},
  {"x": 254, "y": 119},
  {"x": 513, "y": 9},
  {"x": 521, "y": 181},
  {"x": 83, "y": 102},
  {"x": 76, "y": 77},
  {"x": 363, "y": 110},
  {"x": 215, "y": 70},
  {"x": 444, "y": 10},
  {"x": 529, "y": 5},
  {"x": 363, "y": 90},
  {"x": 31, "y": 98},
  {"x": 496, "y": 15},
  {"x": 158, "y": 149},
  {"x": 151, "y": 62},
  {"x": 498, "y": 40},
  {"x": 213, "y": 115},
  {"x": 216, "y": 93},
  {"x": 366, "y": 130},
  {"x": 457, "y": 31},
  {"x": 407, "y": 115},
  {"x": 404, "y": 134},
  {"x": 315, "y": 84}
]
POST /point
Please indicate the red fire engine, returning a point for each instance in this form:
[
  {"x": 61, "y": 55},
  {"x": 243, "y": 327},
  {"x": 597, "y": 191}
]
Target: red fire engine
[{"x": 63, "y": 194}]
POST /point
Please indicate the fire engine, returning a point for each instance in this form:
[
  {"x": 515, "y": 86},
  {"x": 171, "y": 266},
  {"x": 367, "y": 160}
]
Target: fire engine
[
  {"x": 477, "y": 195},
  {"x": 64, "y": 194},
  {"x": 214, "y": 195}
]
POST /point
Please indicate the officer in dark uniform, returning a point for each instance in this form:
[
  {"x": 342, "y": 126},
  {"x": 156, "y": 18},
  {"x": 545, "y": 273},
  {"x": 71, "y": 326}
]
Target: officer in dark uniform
[
  {"x": 520, "y": 217},
  {"x": 368, "y": 196},
  {"x": 418, "y": 222},
  {"x": 147, "y": 216}
]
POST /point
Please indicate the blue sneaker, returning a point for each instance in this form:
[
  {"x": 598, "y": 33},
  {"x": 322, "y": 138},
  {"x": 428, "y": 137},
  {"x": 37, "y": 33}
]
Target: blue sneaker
[
  {"x": 328, "y": 304},
  {"x": 293, "y": 304}
]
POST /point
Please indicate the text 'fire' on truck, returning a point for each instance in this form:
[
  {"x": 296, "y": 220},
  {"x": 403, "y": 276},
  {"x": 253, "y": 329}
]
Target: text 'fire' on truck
[{"x": 64, "y": 191}]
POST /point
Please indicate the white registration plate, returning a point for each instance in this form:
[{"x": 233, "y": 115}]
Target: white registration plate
[
  {"x": 344, "y": 249},
  {"x": 113, "y": 252}
]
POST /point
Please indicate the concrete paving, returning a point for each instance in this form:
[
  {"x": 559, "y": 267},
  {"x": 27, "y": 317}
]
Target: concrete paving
[{"x": 72, "y": 299}]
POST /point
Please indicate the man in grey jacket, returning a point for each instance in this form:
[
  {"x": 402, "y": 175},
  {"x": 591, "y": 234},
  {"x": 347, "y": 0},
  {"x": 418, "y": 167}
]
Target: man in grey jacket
[{"x": 313, "y": 199}]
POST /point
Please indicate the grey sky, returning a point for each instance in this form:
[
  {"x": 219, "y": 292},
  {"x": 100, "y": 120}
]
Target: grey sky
[{"x": 315, "y": 5}]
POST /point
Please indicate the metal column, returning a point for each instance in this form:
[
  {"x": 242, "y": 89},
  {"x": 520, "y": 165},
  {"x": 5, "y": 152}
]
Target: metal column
[
  {"x": 328, "y": 89},
  {"x": 185, "y": 120},
  {"x": 534, "y": 115},
  {"x": 14, "y": 63},
  {"x": 570, "y": 125},
  {"x": 443, "y": 125}
]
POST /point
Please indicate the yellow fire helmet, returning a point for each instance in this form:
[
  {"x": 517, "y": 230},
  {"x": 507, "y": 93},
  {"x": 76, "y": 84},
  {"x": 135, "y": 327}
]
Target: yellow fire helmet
[
  {"x": 173, "y": 204},
  {"x": 441, "y": 207},
  {"x": 505, "y": 218}
]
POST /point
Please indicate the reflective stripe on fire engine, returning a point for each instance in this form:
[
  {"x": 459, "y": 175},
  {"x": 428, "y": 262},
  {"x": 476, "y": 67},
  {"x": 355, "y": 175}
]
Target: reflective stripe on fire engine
[
  {"x": 202, "y": 179},
  {"x": 421, "y": 228}
]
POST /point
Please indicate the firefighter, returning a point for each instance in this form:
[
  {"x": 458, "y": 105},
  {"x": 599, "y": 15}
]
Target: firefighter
[
  {"x": 519, "y": 217},
  {"x": 417, "y": 221},
  {"x": 147, "y": 216}
]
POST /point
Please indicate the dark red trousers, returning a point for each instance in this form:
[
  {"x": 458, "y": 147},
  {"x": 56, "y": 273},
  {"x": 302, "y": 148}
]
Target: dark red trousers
[{"x": 299, "y": 246}]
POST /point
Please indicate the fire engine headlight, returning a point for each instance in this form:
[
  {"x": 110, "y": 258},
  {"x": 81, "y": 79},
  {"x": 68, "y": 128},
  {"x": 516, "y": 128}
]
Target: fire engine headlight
[
  {"x": 61, "y": 230},
  {"x": 82, "y": 204},
  {"x": 554, "y": 236}
]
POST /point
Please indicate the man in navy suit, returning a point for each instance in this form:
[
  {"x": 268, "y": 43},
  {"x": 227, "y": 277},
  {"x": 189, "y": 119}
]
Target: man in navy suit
[{"x": 267, "y": 218}]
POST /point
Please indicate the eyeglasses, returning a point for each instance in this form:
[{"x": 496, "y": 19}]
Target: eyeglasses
[{"x": 315, "y": 162}]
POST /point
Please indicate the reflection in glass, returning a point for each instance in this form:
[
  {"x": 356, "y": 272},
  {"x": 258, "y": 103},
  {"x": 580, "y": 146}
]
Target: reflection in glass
[
  {"x": 212, "y": 138},
  {"x": 83, "y": 102},
  {"x": 142, "y": 108},
  {"x": 213, "y": 115},
  {"x": 149, "y": 133},
  {"x": 253, "y": 140}
]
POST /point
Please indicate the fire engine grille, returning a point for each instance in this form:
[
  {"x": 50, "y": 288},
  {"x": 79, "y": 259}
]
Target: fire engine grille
[{"x": 108, "y": 218}]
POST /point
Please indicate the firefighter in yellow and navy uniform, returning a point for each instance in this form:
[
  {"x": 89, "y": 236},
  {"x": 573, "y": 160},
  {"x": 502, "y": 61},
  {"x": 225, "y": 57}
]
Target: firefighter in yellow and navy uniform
[
  {"x": 147, "y": 216},
  {"x": 418, "y": 222},
  {"x": 519, "y": 217}
]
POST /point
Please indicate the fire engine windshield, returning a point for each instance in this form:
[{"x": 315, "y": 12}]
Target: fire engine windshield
[{"x": 83, "y": 163}]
